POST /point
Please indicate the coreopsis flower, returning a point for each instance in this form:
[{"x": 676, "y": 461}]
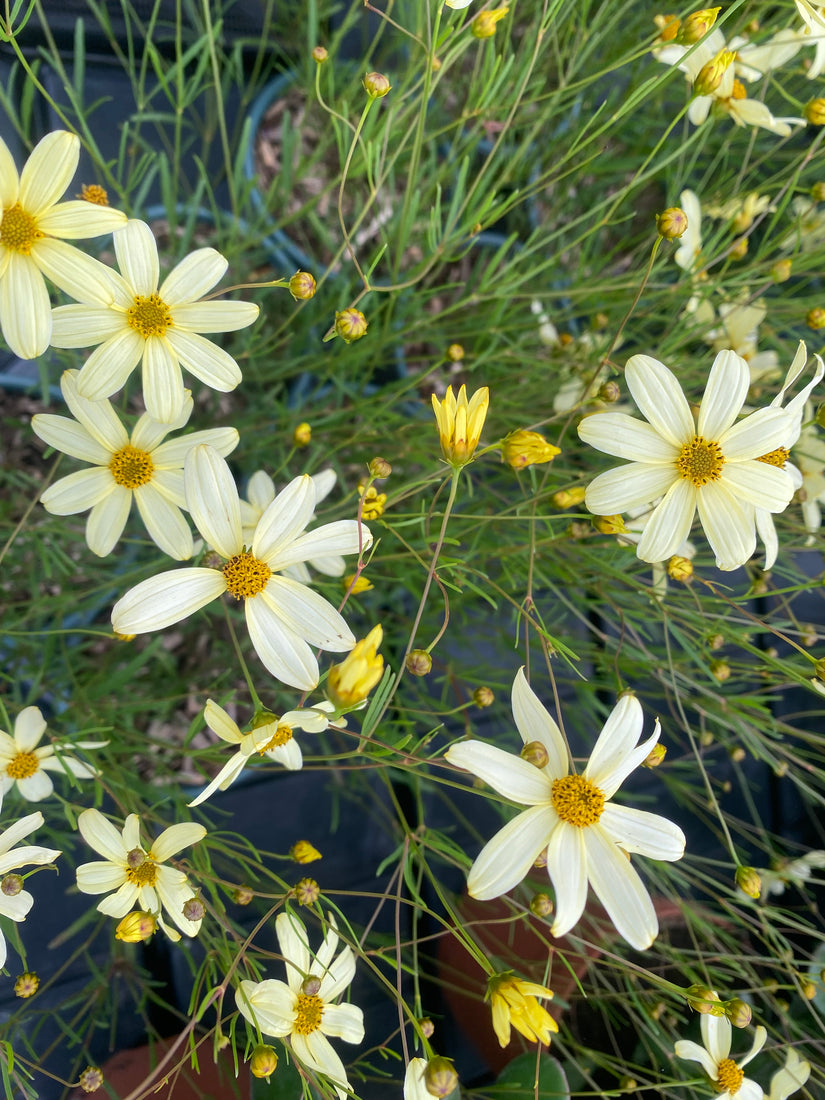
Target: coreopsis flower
[
  {"x": 350, "y": 682},
  {"x": 303, "y": 1009},
  {"x": 739, "y": 332},
  {"x": 135, "y": 874},
  {"x": 460, "y": 422},
  {"x": 269, "y": 736},
  {"x": 140, "y": 467},
  {"x": 34, "y": 228},
  {"x": 138, "y": 322},
  {"x": 284, "y": 618},
  {"x": 708, "y": 464},
  {"x": 793, "y": 872},
  {"x": 261, "y": 492},
  {"x": 15, "y": 902},
  {"x": 514, "y": 1003},
  {"x": 726, "y": 1075},
  {"x": 813, "y": 16},
  {"x": 779, "y": 456},
  {"x": 24, "y": 764},
  {"x": 571, "y": 819},
  {"x": 792, "y": 1077},
  {"x": 415, "y": 1086}
]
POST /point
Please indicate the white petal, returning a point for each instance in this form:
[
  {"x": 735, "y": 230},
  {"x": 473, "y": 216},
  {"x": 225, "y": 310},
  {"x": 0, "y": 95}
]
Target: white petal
[
  {"x": 163, "y": 391},
  {"x": 119, "y": 903},
  {"x": 175, "y": 838},
  {"x": 534, "y": 723},
  {"x": 315, "y": 1051},
  {"x": 137, "y": 257},
  {"x": 308, "y": 614},
  {"x": 669, "y": 523},
  {"x": 759, "y": 483},
  {"x": 80, "y": 276},
  {"x": 212, "y": 499},
  {"x": 108, "y": 367},
  {"x": 759, "y": 1037},
  {"x": 506, "y": 773},
  {"x": 756, "y": 435},
  {"x": 294, "y": 944},
  {"x": 270, "y": 1004},
  {"x": 628, "y": 487},
  {"x": 344, "y": 1022},
  {"x": 660, "y": 398},
  {"x": 79, "y": 491},
  {"x": 101, "y": 835},
  {"x": 283, "y": 652},
  {"x": 341, "y": 537},
  {"x": 173, "y": 452},
  {"x": 34, "y": 788},
  {"x": 25, "y": 309},
  {"x": 164, "y": 522},
  {"x": 99, "y": 877},
  {"x": 221, "y": 724},
  {"x": 619, "y": 889},
  {"x": 214, "y": 316},
  {"x": 76, "y": 219},
  {"x": 160, "y": 601},
  {"x": 212, "y": 365},
  {"x": 284, "y": 519},
  {"x": 336, "y": 977},
  {"x": 626, "y": 437},
  {"x": 766, "y": 530},
  {"x": 70, "y": 437},
  {"x": 83, "y": 326},
  {"x": 507, "y": 858},
  {"x": 48, "y": 171},
  {"x": 728, "y": 525},
  {"x": 567, "y": 868},
  {"x": 224, "y": 779},
  {"x": 725, "y": 394},
  {"x": 29, "y": 727},
  {"x": 716, "y": 1035},
  {"x": 686, "y": 1048},
  {"x": 193, "y": 277},
  {"x": 107, "y": 520},
  {"x": 619, "y": 736},
  {"x": 648, "y": 834}
]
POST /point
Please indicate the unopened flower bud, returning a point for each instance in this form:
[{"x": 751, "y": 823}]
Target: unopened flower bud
[
  {"x": 302, "y": 286},
  {"x": 815, "y": 112},
  {"x": 720, "y": 670},
  {"x": 264, "y": 1061},
  {"x": 379, "y": 467},
  {"x": 523, "y": 448},
  {"x": 302, "y": 435},
  {"x": 26, "y": 985},
  {"x": 541, "y": 905},
  {"x": 809, "y": 990},
  {"x": 307, "y": 891},
  {"x": 781, "y": 271},
  {"x": 738, "y": 1012},
  {"x": 535, "y": 753},
  {"x": 484, "y": 24},
  {"x": 319, "y": 54},
  {"x": 818, "y": 191},
  {"x": 737, "y": 754},
  {"x": 310, "y": 985},
  {"x": 135, "y": 858},
  {"x": 242, "y": 895},
  {"x": 628, "y": 1084},
  {"x": 350, "y": 325},
  {"x": 11, "y": 885},
  {"x": 668, "y": 27},
  {"x": 194, "y": 909},
  {"x": 376, "y": 85},
  {"x": 696, "y": 26},
  {"x": 815, "y": 319},
  {"x": 136, "y": 926},
  {"x": 540, "y": 862},
  {"x": 418, "y": 662},
  {"x": 740, "y": 249},
  {"x": 748, "y": 881},
  {"x": 568, "y": 498},
  {"x": 609, "y": 525},
  {"x": 91, "y": 1079},
  {"x": 704, "y": 1000},
  {"x": 304, "y": 852},
  {"x": 94, "y": 193},
  {"x": 455, "y": 352},
  {"x": 716, "y": 641},
  {"x": 483, "y": 697},
  {"x": 710, "y": 75},
  {"x": 359, "y": 584},
  {"x": 427, "y": 1027},
  {"x": 679, "y": 568},
  {"x": 440, "y": 1077},
  {"x": 671, "y": 223},
  {"x": 655, "y": 757},
  {"x": 610, "y": 392}
]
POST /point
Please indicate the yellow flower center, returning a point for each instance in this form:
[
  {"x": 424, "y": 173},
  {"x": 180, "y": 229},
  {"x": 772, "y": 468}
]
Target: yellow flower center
[
  {"x": 280, "y": 737},
  {"x": 700, "y": 461},
  {"x": 131, "y": 467},
  {"x": 776, "y": 458},
  {"x": 145, "y": 874},
  {"x": 577, "y": 801},
  {"x": 23, "y": 765},
  {"x": 149, "y": 316},
  {"x": 18, "y": 230},
  {"x": 246, "y": 576},
  {"x": 309, "y": 1009},
  {"x": 729, "y": 1076},
  {"x": 93, "y": 192}
]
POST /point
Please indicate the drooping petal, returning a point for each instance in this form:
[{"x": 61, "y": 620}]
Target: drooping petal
[
  {"x": 18, "y": 907},
  {"x": 647, "y": 834},
  {"x": 725, "y": 393},
  {"x": 221, "y": 724},
  {"x": 509, "y": 775},
  {"x": 308, "y": 614},
  {"x": 505, "y": 859},
  {"x": 344, "y": 1022},
  {"x": 25, "y": 309},
  {"x": 729, "y": 526},
  {"x": 165, "y": 599},
  {"x": 137, "y": 257},
  {"x": 627, "y": 487},
  {"x": 212, "y": 499},
  {"x": 119, "y": 903},
  {"x": 669, "y": 523},
  {"x": 283, "y": 652},
  {"x": 29, "y": 727},
  {"x": 567, "y": 868},
  {"x": 759, "y": 1037},
  {"x": 224, "y": 779},
  {"x": 48, "y": 171},
  {"x": 766, "y": 530},
  {"x": 284, "y": 519},
  {"x": 107, "y": 520},
  {"x": 660, "y": 399},
  {"x": 193, "y": 277},
  {"x": 315, "y": 1051},
  {"x": 164, "y": 522},
  {"x": 626, "y": 437},
  {"x": 534, "y": 723},
  {"x": 619, "y": 889},
  {"x": 270, "y": 1004}
]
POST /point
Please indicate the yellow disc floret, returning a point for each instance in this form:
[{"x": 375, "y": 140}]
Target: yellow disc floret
[
  {"x": 700, "y": 461},
  {"x": 309, "y": 1010},
  {"x": 281, "y": 736},
  {"x": 729, "y": 1076},
  {"x": 145, "y": 874},
  {"x": 131, "y": 467},
  {"x": 23, "y": 765},
  {"x": 149, "y": 316},
  {"x": 776, "y": 458},
  {"x": 18, "y": 230},
  {"x": 245, "y": 575},
  {"x": 577, "y": 801}
]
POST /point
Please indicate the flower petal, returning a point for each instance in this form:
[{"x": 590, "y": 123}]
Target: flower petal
[
  {"x": 628, "y": 487},
  {"x": 99, "y": 877},
  {"x": 619, "y": 889},
  {"x": 212, "y": 499},
  {"x": 83, "y": 326},
  {"x": 80, "y": 276},
  {"x": 692, "y": 1052},
  {"x": 285, "y": 518},
  {"x": 626, "y": 437},
  {"x": 756, "y": 435},
  {"x": 505, "y": 859},
  {"x": 269, "y": 1004},
  {"x": 212, "y": 365},
  {"x": 669, "y": 523},
  {"x": 716, "y": 1035},
  {"x": 101, "y": 835},
  {"x": 341, "y": 537},
  {"x": 34, "y": 788},
  {"x": 760, "y": 484},
  {"x": 283, "y": 652},
  {"x": 660, "y": 399},
  {"x": 173, "y": 452},
  {"x": 29, "y": 727},
  {"x": 79, "y": 491},
  {"x": 193, "y": 277},
  {"x": 48, "y": 171},
  {"x": 505, "y": 772},
  {"x": 160, "y": 601},
  {"x": 725, "y": 393},
  {"x": 212, "y": 316},
  {"x": 25, "y": 309},
  {"x": 648, "y": 834},
  {"x": 163, "y": 391},
  {"x": 294, "y": 944},
  {"x": 108, "y": 367},
  {"x": 107, "y": 520},
  {"x": 567, "y": 868},
  {"x": 175, "y": 838},
  {"x": 164, "y": 522},
  {"x": 71, "y": 438},
  {"x": 618, "y": 737},
  {"x": 308, "y": 614},
  {"x": 344, "y": 1022},
  {"x": 534, "y": 723},
  {"x": 137, "y": 257},
  {"x": 77, "y": 219},
  {"x": 729, "y": 526}
]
